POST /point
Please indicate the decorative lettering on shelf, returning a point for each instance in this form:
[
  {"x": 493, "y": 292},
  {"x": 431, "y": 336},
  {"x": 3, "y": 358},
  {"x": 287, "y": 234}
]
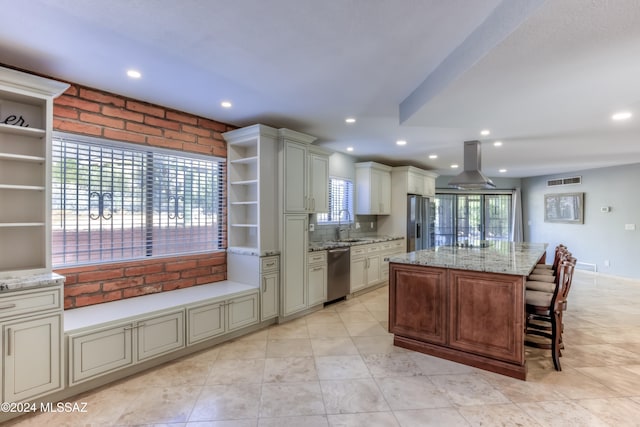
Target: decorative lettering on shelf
[{"x": 15, "y": 121}]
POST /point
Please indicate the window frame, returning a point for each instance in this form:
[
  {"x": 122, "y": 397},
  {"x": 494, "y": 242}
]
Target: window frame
[{"x": 350, "y": 204}]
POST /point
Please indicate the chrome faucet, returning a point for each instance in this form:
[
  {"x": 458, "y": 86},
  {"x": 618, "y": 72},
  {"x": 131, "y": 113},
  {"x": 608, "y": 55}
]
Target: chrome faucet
[{"x": 340, "y": 229}]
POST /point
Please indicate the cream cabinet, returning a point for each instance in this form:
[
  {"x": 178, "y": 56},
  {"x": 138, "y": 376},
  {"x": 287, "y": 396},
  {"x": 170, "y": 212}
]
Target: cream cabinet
[
  {"x": 160, "y": 334},
  {"x": 294, "y": 261},
  {"x": 317, "y": 277},
  {"x": 390, "y": 249},
  {"x": 215, "y": 318},
  {"x": 365, "y": 266},
  {"x": 305, "y": 174},
  {"x": 373, "y": 189},
  {"x": 31, "y": 325},
  {"x": 270, "y": 285},
  {"x": 26, "y": 111}
]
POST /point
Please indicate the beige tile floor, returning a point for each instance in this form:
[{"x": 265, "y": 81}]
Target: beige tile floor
[{"x": 338, "y": 367}]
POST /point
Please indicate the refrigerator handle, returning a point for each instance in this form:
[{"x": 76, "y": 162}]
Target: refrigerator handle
[{"x": 418, "y": 230}]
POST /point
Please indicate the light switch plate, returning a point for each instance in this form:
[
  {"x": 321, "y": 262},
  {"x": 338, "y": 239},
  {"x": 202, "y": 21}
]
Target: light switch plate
[{"x": 630, "y": 227}]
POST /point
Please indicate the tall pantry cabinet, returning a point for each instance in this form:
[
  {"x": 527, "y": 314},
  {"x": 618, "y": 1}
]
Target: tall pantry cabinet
[{"x": 30, "y": 294}]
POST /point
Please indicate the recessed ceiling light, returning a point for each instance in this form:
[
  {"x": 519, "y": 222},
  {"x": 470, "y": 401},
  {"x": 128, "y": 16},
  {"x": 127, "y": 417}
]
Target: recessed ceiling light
[
  {"x": 497, "y": 144},
  {"x": 349, "y": 148},
  {"x": 485, "y": 132},
  {"x": 134, "y": 74},
  {"x": 502, "y": 170},
  {"x": 350, "y": 120},
  {"x": 454, "y": 166},
  {"x": 226, "y": 104},
  {"x": 401, "y": 142},
  {"x": 622, "y": 115},
  {"x": 433, "y": 156}
]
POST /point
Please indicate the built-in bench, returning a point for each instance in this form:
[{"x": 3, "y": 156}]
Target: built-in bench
[{"x": 108, "y": 341}]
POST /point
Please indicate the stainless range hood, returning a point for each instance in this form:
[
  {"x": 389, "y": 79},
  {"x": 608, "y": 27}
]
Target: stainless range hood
[{"x": 472, "y": 177}]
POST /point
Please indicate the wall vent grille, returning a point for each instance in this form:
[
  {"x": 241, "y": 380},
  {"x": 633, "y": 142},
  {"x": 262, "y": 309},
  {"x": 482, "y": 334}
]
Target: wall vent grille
[{"x": 564, "y": 181}]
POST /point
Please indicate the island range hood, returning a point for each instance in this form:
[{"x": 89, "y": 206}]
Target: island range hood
[{"x": 471, "y": 177}]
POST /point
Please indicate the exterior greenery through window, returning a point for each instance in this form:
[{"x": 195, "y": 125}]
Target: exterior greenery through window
[
  {"x": 114, "y": 201},
  {"x": 340, "y": 202},
  {"x": 472, "y": 217}
]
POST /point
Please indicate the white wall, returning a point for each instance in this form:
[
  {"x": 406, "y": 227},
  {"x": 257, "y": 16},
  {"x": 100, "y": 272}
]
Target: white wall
[
  {"x": 342, "y": 166},
  {"x": 603, "y": 235}
]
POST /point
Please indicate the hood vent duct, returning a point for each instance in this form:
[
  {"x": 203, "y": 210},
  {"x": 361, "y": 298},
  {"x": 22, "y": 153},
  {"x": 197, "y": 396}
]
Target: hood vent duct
[{"x": 472, "y": 177}]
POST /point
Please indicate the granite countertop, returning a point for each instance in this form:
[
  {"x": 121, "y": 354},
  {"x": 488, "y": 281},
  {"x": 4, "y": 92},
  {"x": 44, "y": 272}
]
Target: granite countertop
[
  {"x": 14, "y": 283},
  {"x": 498, "y": 257},
  {"x": 251, "y": 251},
  {"x": 330, "y": 244}
]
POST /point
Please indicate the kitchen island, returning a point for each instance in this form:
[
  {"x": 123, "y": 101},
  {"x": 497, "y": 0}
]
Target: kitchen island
[{"x": 464, "y": 304}]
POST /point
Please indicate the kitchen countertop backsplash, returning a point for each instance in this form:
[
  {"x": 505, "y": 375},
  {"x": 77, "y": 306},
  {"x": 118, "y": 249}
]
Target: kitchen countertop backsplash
[{"x": 364, "y": 240}]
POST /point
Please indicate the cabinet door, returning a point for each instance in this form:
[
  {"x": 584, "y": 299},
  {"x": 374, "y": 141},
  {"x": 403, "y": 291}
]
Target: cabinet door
[
  {"x": 317, "y": 284},
  {"x": 374, "y": 189},
  {"x": 206, "y": 321},
  {"x": 160, "y": 335},
  {"x": 32, "y": 358},
  {"x": 295, "y": 178},
  {"x": 319, "y": 183},
  {"x": 358, "y": 274},
  {"x": 99, "y": 352},
  {"x": 294, "y": 273},
  {"x": 269, "y": 295},
  {"x": 429, "y": 186},
  {"x": 373, "y": 270},
  {"x": 385, "y": 193},
  {"x": 241, "y": 312}
]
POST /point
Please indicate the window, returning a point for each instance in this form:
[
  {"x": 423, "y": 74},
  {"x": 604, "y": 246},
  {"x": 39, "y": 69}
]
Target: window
[
  {"x": 340, "y": 202},
  {"x": 472, "y": 217},
  {"x": 114, "y": 201}
]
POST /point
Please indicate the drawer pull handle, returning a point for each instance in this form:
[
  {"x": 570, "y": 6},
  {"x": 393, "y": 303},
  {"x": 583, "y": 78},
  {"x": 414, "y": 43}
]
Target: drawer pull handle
[
  {"x": 8, "y": 306},
  {"x": 270, "y": 264},
  {"x": 8, "y": 341}
]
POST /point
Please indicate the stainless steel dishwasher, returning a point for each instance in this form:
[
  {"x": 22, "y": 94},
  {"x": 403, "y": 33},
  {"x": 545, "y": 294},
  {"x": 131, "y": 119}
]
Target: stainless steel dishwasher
[{"x": 339, "y": 273}]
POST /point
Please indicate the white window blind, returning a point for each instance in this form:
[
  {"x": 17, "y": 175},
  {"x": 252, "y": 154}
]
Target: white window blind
[
  {"x": 340, "y": 202},
  {"x": 114, "y": 201}
]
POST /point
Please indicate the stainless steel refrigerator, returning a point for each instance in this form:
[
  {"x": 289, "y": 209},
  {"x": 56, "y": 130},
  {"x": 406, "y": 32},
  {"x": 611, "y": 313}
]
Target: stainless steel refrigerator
[{"x": 420, "y": 223}]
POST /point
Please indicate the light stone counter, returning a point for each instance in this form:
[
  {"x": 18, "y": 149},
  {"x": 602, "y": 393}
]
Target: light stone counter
[
  {"x": 498, "y": 257},
  {"x": 15, "y": 283}
]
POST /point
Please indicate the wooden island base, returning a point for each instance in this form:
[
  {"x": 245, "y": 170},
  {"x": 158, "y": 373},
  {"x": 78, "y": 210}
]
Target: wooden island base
[{"x": 471, "y": 317}]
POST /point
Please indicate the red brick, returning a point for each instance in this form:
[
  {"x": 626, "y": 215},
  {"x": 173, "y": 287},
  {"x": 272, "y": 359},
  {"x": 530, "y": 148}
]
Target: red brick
[
  {"x": 99, "y": 119},
  {"x": 219, "y": 152},
  {"x": 101, "y": 97},
  {"x": 76, "y": 127},
  {"x": 122, "y": 113},
  {"x": 144, "y": 129},
  {"x": 180, "y": 265},
  {"x": 161, "y": 277},
  {"x": 178, "y": 284},
  {"x": 122, "y": 135},
  {"x": 141, "y": 290},
  {"x": 161, "y": 123},
  {"x": 82, "y": 289},
  {"x": 81, "y": 104},
  {"x": 214, "y": 260},
  {"x": 128, "y": 282},
  {"x": 182, "y": 117},
  {"x": 72, "y": 90},
  {"x": 166, "y": 143},
  {"x": 198, "y": 131},
  {"x": 140, "y": 270},
  {"x": 69, "y": 303},
  {"x": 219, "y": 269},
  {"x": 213, "y": 125},
  {"x": 179, "y": 135},
  {"x": 196, "y": 148},
  {"x": 85, "y": 300},
  {"x": 144, "y": 108},
  {"x": 211, "y": 278},
  {"x": 64, "y": 112},
  {"x": 94, "y": 276},
  {"x": 202, "y": 271},
  {"x": 70, "y": 279}
]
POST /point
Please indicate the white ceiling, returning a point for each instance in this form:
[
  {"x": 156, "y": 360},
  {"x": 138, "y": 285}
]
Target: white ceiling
[{"x": 544, "y": 76}]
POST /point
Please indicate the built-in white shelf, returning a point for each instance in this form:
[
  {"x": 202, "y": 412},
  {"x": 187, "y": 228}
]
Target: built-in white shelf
[
  {"x": 21, "y": 158},
  {"x": 252, "y": 202},
  {"x": 22, "y": 187},
  {"x": 22, "y": 224},
  {"x": 244, "y": 225},
  {"x": 20, "y": 130},
  {"x": 246, "y": 182},
  {"x": 245, "y": 160}
]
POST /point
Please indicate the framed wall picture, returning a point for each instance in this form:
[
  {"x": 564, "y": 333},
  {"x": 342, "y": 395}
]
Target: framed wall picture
[{"x": 565, "y": 208}]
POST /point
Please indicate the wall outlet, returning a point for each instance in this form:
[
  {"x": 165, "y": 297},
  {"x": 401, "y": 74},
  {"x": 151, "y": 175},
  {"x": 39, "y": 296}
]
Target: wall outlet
[
  {"x": 357, "y": 226},
  {"x": 312, "y": 227},
  {"x": 606, "y": 263}
]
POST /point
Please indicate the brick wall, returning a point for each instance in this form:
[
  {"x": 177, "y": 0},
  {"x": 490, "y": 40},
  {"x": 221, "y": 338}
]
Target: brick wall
[{"x": 87, "y": 111}]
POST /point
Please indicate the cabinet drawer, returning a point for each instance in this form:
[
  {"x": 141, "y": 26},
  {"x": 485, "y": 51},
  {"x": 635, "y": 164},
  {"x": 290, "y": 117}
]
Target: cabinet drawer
[
  {"x": 358, "y": 250},
  {"x": 96, "y": 353},
  {"x": 386, "y": 246},
  {"x": 271, "y": 263},
  {"x": 373, "y": 248},
  {"x": 205, "y": 321},
  {"x": 317, "y": 257},
  {"x": 19, "y": 303}
]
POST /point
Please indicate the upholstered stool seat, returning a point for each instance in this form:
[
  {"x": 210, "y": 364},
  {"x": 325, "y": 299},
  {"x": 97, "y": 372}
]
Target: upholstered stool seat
[
  {"x": 540, "y": 286},
  {"x": 538, "y": 298},
  {"x": 541, "y": 278}
]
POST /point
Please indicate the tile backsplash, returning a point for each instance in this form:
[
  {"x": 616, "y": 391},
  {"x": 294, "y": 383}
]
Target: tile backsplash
[{"x": 323, "y": 232}]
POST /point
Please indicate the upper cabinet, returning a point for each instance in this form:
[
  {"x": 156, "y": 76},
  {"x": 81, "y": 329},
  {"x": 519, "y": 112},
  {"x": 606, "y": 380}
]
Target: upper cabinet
[
  {"x": 373, "y": 189},
  {"x": 305, "y": 174},
  {"x": 252, "y": 187},
  {"x": 412, "y": 180},
  {"x": 26, "y": 122}
]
